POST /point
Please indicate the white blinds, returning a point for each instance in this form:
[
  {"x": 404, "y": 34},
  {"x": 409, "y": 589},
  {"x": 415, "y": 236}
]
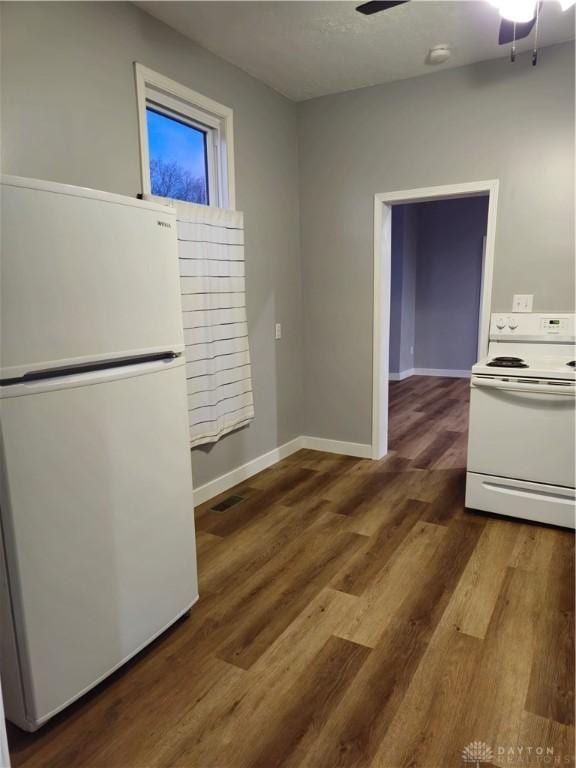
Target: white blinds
[{"x": 212, "y": 278}]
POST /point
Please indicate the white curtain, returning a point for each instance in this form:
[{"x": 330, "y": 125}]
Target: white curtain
[{"x": 212, "y": 279}]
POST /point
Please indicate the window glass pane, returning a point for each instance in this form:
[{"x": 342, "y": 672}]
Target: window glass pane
[{"x": 178, "y": 159}]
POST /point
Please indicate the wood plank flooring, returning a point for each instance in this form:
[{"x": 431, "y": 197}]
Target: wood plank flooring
[{"x": 353, "y": 615}]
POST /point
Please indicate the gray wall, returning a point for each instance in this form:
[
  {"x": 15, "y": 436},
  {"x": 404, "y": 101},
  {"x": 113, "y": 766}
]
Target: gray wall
[
  {"x": 396, "y": 289},
  {"x": 491, "y": 120},
  {"x": 69, "y": 115},
  {"x": 403, "y": 287},
  {"x": 435, "y": 287},
  {"x": 448, "y": 280}
]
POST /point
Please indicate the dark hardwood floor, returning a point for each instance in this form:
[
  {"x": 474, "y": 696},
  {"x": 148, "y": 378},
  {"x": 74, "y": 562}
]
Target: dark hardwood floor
[{"x": 352, "y": 614}]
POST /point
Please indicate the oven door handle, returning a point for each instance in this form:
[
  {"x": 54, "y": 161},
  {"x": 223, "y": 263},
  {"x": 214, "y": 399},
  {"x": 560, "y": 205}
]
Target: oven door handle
[{"x": 565, "y": 388}]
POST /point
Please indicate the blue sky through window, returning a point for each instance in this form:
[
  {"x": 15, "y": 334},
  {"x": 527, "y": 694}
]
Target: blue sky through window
[{"x": 177, "y": 159}]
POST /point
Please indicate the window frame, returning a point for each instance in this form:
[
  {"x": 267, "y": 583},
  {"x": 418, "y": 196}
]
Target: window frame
[
  {"x": 168, "y": 97},
  {"x": 210, "y": 144}
]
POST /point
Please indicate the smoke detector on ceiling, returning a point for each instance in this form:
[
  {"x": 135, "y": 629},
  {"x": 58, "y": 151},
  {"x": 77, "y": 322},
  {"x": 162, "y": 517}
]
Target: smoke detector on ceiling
[{"x": 438, "y": 54}]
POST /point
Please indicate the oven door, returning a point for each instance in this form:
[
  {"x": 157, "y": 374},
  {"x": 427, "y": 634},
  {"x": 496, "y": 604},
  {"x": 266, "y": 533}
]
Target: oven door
[{"x": 523, "y": 429}]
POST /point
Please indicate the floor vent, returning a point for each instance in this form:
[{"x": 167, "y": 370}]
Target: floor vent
[{"x": 226, "y": 503}]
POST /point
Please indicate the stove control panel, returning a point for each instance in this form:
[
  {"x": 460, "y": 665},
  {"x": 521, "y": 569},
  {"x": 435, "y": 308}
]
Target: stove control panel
[
  {"x": 555, "y": 324},
  {"x": 534, "y": 326}
]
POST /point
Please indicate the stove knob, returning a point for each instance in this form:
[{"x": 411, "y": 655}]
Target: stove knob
[
  {"x": 512, "y": 323},
  {"x": 500, "y": 322}
]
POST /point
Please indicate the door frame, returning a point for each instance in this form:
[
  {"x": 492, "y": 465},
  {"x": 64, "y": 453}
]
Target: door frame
[
  {"x": 4, "y": 748},
  {"x": 382, "y": 270}
]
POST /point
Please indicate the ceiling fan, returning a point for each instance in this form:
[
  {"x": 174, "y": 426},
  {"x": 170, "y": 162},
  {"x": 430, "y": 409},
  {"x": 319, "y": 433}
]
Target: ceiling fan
[{"x": 519, "y": 17}]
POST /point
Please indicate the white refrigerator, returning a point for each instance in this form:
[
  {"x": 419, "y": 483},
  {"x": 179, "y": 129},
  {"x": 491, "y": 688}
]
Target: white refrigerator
[{"x": 98, "y": 548}]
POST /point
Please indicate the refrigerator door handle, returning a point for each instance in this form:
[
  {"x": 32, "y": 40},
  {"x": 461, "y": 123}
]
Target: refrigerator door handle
[
  {"x": 83, "y": 378},
  {"x": 84, "y": 368}
]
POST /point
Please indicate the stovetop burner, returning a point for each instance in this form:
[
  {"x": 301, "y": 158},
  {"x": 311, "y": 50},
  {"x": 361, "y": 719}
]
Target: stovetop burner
[{"x": 507, "y": 362}]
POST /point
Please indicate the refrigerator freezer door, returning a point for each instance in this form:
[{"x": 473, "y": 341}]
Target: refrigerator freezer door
[
  {"x": 85, "y": 276},
  {"x": 97, "y": 518}
]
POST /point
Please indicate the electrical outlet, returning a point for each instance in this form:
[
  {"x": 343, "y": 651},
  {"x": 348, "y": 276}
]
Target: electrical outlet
[
  {"x": 278, "y": 330},
  {"x": 522, "y": 302}
]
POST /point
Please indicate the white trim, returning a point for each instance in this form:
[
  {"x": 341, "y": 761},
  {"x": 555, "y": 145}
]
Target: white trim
[
  {"x": 245, "y": 471},
  {"x": 480, "y": 341},
  {"x": 230, "y": 479},
  {"x": 215, "y": 113},
  {"x": 4, "y": 749},
  {"x": 381, "y": 327},
  {"x": 400, "y": 376},
  {"x": 361, "y": 450},
  {"x": 447, "y": 372},
  {"x": 381, "y": 301}
]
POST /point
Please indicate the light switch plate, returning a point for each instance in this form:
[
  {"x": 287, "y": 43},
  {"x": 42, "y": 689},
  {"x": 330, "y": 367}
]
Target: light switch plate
[
  {"x": 522, "y": 302},
  {"x": 278, "y": 330}
]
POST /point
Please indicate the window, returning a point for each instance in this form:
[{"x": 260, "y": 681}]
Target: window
[
  {"x": 185, "y": 142},
  {"x": 178, "y": 159}
]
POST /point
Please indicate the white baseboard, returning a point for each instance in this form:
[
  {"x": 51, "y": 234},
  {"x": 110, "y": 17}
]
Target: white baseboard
[
  {"x": 238, "y": 475},
  {"x": 428, "y": 372},
  {"x": 402, "y": 375},
  {"x": 230, "y": 479},
  {"x": 360, "y": 450},
  {"x": 442, "y": 372}
]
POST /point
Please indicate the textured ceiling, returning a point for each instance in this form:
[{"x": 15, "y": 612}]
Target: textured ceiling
[{"x": 307, "y": 49}]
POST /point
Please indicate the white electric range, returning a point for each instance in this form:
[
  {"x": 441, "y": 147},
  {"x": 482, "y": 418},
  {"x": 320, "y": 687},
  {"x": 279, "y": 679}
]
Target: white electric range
[{"x": 522, "y": 434}]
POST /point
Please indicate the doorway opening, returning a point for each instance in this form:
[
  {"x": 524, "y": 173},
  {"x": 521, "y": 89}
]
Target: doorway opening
[{"x": 433, "y": 260}]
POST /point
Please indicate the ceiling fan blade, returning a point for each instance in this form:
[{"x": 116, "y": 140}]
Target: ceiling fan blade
[
  {"x": 506, "y": 34},
  {"x": 375, "y": 6}
]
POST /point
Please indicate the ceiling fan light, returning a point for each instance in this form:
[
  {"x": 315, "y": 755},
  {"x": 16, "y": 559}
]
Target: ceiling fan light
[
  {"x": 565, "y": 4},
  {"x": 519, "y": 11}
]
